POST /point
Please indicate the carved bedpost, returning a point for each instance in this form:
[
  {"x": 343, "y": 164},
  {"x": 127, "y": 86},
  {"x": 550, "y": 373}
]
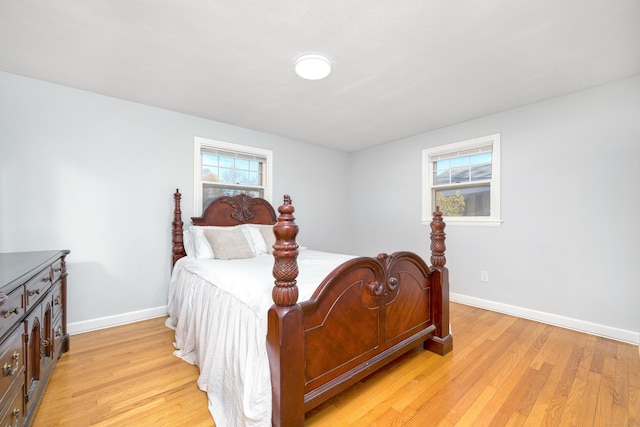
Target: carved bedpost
[
  {"x": 285, "y": 252},
  {"x": 285, "y": 335},
  {"x": 437, "y": 239},
  {"x": 442, "y": 341},
  {"x": 176, "y": 234}
]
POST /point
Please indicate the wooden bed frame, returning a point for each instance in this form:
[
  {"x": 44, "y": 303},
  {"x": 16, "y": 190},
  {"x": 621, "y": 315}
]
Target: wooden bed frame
[{"x": 366, "y": 313}]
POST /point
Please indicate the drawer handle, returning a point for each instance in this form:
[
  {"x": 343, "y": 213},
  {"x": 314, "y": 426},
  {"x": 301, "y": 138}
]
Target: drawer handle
[
  {"x": 58, "y": 331},
  {"x": 57, "y": 300},
  {"x": 10, "y": 312},
  {"x": 10, "y": 370},
  {"x": 44, "y": 343},
  {"x": 46, "y": 279},
  {"x": 34, "y": 292},
  {"x": 3, "y": 298},
  {"x": 16, "y": 414},
  {"x": 57, "y": 270}
]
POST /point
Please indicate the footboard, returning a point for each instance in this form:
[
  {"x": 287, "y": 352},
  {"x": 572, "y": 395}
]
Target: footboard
[{"x": 366, "y": 313}]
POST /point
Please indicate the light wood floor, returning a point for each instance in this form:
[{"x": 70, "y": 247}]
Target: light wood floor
[{"x": 503, "y": 371}]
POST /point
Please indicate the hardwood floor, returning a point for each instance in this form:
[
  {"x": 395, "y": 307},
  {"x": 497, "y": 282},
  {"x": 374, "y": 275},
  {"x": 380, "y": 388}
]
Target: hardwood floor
[
  {"x": 503, "y": 371},
  {"x": 125, "y": 376}
]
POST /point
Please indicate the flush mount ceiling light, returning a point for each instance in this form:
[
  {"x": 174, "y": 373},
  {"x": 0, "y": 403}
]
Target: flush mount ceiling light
[{"x": 312, "y": 67}]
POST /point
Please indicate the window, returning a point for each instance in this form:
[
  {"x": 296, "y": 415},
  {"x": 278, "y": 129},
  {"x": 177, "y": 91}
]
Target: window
[
  {"x": 225, "y": 169},
  {"x": 464, "y": 180}
]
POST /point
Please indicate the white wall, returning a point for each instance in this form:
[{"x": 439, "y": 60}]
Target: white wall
[
  {"x": 96, "y": 175},
  {"x": 567, "y": 250}
]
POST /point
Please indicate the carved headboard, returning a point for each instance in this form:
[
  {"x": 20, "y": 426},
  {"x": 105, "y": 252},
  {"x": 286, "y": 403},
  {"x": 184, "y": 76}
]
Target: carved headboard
[
  {"x": 223, "y": 211},
  {"x": 234, "y": 210}
]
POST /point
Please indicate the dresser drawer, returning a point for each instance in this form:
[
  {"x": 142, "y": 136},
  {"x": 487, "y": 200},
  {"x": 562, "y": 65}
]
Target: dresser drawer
[
  {"x": 12, "y": 413},
  {"x": 56, "y": 300},
  {"x": 57, "y": 337},
  {"x": 11, "y": 309},
  {"x": 38, "y": 286},
  {"x": 11, "y": 362},
  {"x": 56, "y": 269}
]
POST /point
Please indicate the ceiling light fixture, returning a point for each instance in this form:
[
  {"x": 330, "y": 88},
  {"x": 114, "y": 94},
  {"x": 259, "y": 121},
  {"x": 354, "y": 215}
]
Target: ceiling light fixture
[{"x": 312, "y": 67}]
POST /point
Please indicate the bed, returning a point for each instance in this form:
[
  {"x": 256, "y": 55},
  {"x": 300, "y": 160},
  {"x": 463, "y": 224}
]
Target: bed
[{"x": 312, "y": 327}]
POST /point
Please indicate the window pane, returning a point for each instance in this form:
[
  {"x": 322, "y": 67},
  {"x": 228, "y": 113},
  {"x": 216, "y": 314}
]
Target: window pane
[
  {"x": 442, "y": 170},
  {"x": 210, "y": 174},
  {"x": 472, "y": 168},
  {"x": 210, "y": 192},
  {"x": 460, "y": 174},
  {"x": 227, "y": 162},
  {"x": 221, "y": 175},
  {"x": 481, "y": 167},
  {"x": 242, "y": 164},
  {"x": 209, "y": 159},
  {"x": 231, "y": 170},
  {"x": 480, "y": 158},
  {"x": 255, "y": 178},
  {"x": 469, "y": 201},
  {"x": 443, "y": 165},
  {"x": 460, "y": 161},
  {"x": 242, "y": 177}
]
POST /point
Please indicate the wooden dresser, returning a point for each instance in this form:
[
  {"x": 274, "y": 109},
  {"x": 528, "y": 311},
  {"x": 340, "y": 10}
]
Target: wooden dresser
[{"x": 33, "y": 329}]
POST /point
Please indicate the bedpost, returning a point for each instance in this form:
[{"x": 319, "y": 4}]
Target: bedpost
[
  {"x": 176, "y": 234},
  {"x": 285, "y": 336},
  {"x": 437, "y": 239},
  {"x": 285, "y": 252},
  {"x": 442, "y": 341}
]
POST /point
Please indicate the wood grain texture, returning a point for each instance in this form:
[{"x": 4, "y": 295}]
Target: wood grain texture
[{"x": 504, "y": 371}]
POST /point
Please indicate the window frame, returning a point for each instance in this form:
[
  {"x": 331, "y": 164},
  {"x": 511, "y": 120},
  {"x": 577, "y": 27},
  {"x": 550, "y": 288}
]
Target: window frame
[
  {"x": 200, "y": 143},
  {"x": 494, "y": 184}
]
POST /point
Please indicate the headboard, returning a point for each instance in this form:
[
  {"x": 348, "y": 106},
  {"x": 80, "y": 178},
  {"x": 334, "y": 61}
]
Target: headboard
[{"x": 223, "y": 211}]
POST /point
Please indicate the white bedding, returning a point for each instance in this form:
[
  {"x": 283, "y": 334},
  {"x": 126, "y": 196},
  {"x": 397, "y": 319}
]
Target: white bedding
[{"x": 218, "y": 309}]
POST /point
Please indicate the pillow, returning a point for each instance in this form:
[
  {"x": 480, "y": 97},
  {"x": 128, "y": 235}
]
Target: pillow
[
  {"x": 201, "y": 246},
  {"x": 269, "y": 237},
  {"x": 255, "y": 235},
  {"x": 229, "y": 243},
  {"x": 187, "y": 242}
]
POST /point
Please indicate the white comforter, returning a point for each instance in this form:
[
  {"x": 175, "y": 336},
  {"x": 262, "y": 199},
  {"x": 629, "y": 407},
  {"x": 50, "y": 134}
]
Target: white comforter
[{"x": 219, "y": 312}]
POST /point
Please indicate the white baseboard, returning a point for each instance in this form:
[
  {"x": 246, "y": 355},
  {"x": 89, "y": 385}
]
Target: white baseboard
[
  {"x": 631, "y": 337},
  {"x": 116, "y": 320}
]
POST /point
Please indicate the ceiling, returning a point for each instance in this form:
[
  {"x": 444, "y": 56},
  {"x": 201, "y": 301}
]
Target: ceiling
[{"x": 399, "y": 68}]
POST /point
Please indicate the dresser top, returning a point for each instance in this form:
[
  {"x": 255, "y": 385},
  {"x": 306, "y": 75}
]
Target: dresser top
[{"x": 18, "y": 267}]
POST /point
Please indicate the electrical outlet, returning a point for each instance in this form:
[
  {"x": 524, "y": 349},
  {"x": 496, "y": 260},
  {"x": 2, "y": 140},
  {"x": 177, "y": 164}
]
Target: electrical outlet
[{"x": 484, "y": 276}]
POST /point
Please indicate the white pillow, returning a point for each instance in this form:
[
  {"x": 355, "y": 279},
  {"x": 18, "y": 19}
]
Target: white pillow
[
  {"x": 269, "y": 237},
  {"x": 263, "y": 238},
  {"x": 259, "y": 245},
  {"x": 202, "y": 245},
  {"x": 229, "y": 243},
  {"x": 187, "y": 242}
]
